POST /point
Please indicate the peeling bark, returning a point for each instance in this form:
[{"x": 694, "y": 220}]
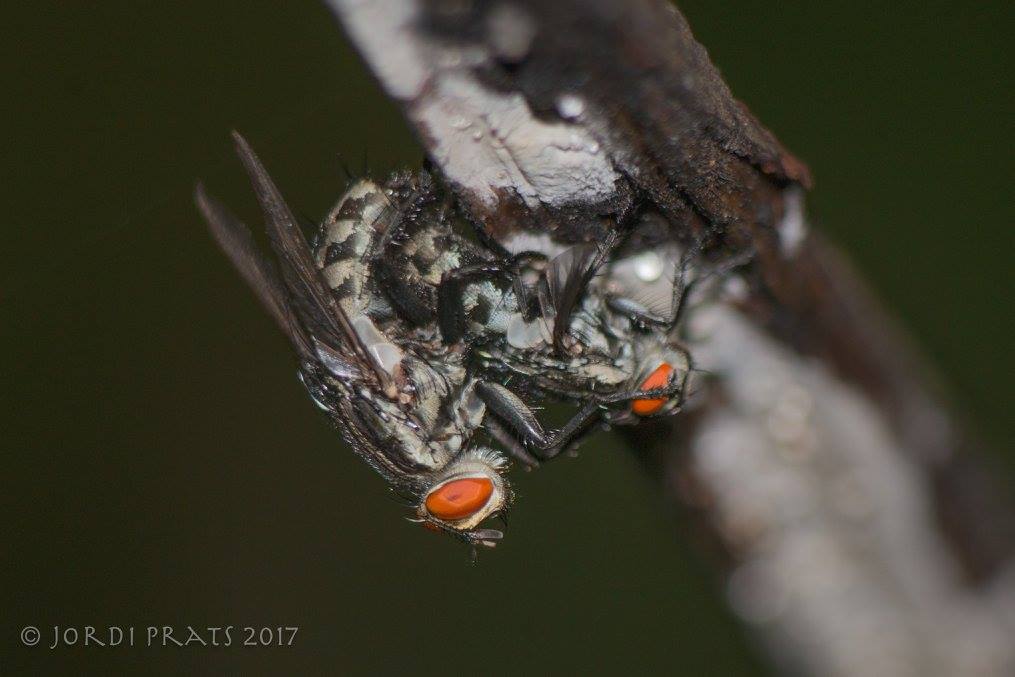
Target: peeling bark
[{"x": 862, "y": 535}]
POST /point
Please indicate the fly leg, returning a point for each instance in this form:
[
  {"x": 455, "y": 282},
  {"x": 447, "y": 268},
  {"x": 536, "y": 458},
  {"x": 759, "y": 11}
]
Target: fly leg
[
  {"x": 509, "y": 408},
  {"x": 510, "y": 442},
  {"x": 516, "y": 414},
  {"x": 682, "y": 289}
]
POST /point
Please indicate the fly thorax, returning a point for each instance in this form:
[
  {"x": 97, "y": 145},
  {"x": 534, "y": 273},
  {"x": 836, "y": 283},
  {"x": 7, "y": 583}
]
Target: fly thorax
[
  {"x": 430, "y": 384},
  {"x": 394, "y": 430},
  {"x": 462, "y": 415},
  {"x": 607, "y": 377}
]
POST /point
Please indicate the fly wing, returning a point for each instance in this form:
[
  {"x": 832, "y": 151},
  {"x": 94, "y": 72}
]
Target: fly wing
[
  {"x": 259, "y": 272},
  {"x": 318, "y": 308},
  {"x": 567, "y": 277}
]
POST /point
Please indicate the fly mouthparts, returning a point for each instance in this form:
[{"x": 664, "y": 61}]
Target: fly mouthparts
[{"x": 486, "y": 537}]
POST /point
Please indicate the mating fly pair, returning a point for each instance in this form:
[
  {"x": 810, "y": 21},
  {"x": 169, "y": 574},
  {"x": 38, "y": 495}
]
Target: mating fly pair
[{"x": 406, "y": 334}]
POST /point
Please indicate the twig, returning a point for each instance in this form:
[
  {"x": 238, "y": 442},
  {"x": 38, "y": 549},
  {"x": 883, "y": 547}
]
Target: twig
[{"x": 861, "y": 534}]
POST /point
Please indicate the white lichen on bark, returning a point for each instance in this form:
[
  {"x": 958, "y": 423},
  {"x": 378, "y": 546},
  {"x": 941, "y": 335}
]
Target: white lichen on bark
[
  {"x": 485, "y": 141},
  {"x": 841, "y": 563}
]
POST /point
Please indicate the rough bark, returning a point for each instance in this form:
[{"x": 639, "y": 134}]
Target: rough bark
[{"x": 860, "y": 533}]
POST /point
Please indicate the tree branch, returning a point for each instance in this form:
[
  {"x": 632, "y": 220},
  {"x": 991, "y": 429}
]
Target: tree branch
[{"x": 861, "y": 534}]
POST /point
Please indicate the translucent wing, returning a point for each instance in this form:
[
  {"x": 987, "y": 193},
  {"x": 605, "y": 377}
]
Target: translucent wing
[
  {"x": 567, "y": 277},
  {"x": 259, "y": 272},
  {"x": 318, "y": 308}
]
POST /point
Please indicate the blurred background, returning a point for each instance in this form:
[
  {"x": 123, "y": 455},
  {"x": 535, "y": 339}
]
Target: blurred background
[{"x": 163, "y": 466}]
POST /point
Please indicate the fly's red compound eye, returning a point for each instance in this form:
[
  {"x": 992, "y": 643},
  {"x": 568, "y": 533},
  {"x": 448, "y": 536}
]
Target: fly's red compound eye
[
  {"x": 657, "y": 379},
  {"x": 459, "y": 499}
]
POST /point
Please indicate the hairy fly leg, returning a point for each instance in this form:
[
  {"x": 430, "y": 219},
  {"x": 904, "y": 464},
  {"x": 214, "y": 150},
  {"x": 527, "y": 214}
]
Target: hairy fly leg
[
  {"x": 540, "y": 303},
  {"x": 507, "y": 439},
  {"x": 515, "y": 413},
  {"x": 665, "y": 387}
]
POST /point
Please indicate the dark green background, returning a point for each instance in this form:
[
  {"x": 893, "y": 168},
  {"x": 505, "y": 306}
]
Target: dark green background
[{"x": 161, "y": 464}]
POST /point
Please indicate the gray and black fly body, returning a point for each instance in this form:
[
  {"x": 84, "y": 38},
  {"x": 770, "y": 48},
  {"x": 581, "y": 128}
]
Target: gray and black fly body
[
  {"x": 413, "y": 338},
  {"x": 400, "y": 397},
  {"x": 563, "y": 333}
]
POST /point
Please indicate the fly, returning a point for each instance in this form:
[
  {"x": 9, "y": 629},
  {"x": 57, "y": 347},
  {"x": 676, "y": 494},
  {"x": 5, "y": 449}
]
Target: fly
[
  {"x": 412, "y": 338},
  {"x": 400, "y": 398},
  {"x": 547, "y": 329},
  {"x": 560, "y": 334}
]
